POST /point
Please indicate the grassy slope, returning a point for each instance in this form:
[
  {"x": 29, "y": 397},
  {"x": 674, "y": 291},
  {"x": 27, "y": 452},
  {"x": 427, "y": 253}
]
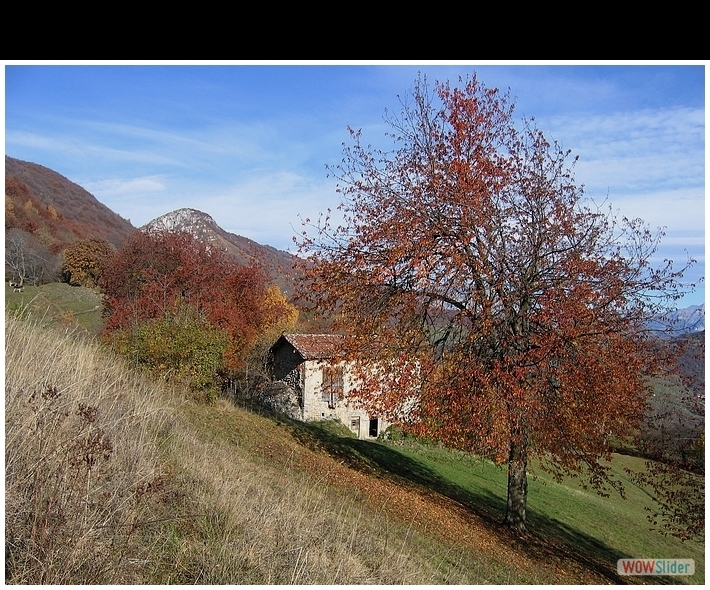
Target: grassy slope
[
  {"x": 578, "y": 534},
  {"x": 111, "y": 479},
  {"x": 244, "y": 497},
  {"x": 58, "y": 304},
  {"x": 593, "y": 529}
]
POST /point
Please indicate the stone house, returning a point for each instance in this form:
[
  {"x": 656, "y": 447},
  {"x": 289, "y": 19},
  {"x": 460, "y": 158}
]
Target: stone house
[{"x": 309, "y": 385}]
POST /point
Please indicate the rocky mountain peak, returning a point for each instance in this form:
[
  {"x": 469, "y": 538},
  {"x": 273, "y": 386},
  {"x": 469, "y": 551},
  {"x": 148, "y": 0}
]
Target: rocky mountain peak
[
  {"x": 199, "y": 224},
  {"x": 277, "y": 264}
]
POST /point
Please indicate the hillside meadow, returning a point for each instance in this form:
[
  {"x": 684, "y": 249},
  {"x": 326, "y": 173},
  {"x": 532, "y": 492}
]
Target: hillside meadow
[
  {"x": 58, "y": 305},
  {"x": 113, "y": 478}
]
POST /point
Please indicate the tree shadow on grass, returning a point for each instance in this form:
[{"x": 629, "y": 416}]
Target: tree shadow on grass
[{"x": 550, "y": 541}]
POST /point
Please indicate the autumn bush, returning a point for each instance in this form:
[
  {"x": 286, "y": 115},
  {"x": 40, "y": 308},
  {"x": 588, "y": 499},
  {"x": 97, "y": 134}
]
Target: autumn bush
[
  {"x": 182, "y": 346},
  {"x": 84, "y": 262},
  {"x": 156, "y": 277}
]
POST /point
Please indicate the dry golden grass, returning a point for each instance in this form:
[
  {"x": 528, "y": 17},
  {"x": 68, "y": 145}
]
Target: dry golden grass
[
  {"x": 111, "y": 479},
  {"x": 82, "y": 438},
  {"x": 255, "y": 524}
]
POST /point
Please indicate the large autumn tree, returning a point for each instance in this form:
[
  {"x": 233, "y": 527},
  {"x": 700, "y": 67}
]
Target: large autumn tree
[{"x": 505, "y": 312}]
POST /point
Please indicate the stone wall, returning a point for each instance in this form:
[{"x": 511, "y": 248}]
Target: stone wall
[
  {"x": 348, "y": 412},
  {"x": 297, "y": 392},
  {"x": 280, "y": 397}
]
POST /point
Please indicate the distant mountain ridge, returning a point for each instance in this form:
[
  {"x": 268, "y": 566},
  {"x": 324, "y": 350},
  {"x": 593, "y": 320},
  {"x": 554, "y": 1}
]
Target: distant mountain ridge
[
  {"x": 692, "y": 318},
  {"x": 687, "y": 320},
  {"x": 58, "y": 212},
  {"x": 278, "y": 264}
]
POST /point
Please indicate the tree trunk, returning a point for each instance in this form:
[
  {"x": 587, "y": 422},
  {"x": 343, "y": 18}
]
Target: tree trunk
[{"x": 517, "y": 487}]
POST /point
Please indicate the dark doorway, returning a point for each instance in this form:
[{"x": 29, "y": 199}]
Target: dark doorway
[{"x": 373, "y": 427}]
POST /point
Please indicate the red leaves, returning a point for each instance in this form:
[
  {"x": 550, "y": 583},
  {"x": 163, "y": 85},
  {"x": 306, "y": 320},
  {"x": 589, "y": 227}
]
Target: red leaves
[
  {"x": 469, "y": 249},
  {"x": 153, "y": 271}
]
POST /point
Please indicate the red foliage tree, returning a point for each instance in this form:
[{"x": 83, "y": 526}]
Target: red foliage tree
[
  {"x": 144, "y": 280},
  {"x": 468, "y": 262}
]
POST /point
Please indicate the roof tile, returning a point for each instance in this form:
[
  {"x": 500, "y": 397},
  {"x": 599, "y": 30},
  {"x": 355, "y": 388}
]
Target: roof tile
[{"x": 315, "y": 346}]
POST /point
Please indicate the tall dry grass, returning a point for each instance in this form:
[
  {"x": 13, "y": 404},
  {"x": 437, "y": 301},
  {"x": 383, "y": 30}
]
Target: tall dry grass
[
  {"x": 82, "y": 436},
  {"x": 256, "y": 523},
  {"x": 108, "y": 481}
]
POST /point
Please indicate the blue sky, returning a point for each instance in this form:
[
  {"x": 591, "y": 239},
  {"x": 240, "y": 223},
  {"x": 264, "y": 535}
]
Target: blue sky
[{"x": 248, "y": 144}]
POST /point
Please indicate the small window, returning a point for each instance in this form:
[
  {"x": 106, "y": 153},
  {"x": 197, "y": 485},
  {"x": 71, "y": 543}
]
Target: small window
[
  {"x": 332, "y": 388},
  {"x": 355, "y": 425}
]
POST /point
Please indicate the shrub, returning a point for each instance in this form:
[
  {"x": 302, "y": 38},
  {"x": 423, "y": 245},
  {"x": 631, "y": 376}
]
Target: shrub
[
  {"x": 84, "y": 262},
  {"x": 181, "y": 346}
]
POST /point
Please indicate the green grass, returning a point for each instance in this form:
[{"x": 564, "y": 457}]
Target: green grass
[
  {"x": 589, "y": 530},
  {"x": 58, "y": 304},
  {"x": 600, "y": 529}
]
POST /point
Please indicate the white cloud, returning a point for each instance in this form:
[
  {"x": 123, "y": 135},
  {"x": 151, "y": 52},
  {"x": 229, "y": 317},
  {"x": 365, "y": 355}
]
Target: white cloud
[
  {"x": 116, "y": 188},
  {"x": 678, "y": 210},
  {"x": 31, "y": 140},
  {"x": 268, "y": 206},
  {"x": 648, "y": 164},
  {"x": 635, "y": 151}
]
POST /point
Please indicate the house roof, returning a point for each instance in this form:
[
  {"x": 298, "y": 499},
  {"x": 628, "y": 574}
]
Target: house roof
[{"x": 315, "y": 346}]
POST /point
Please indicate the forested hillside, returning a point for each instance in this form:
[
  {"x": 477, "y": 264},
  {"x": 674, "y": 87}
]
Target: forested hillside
[
  {"x": 45, "y": 213},
  {"x": 56, "y": 210}
]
